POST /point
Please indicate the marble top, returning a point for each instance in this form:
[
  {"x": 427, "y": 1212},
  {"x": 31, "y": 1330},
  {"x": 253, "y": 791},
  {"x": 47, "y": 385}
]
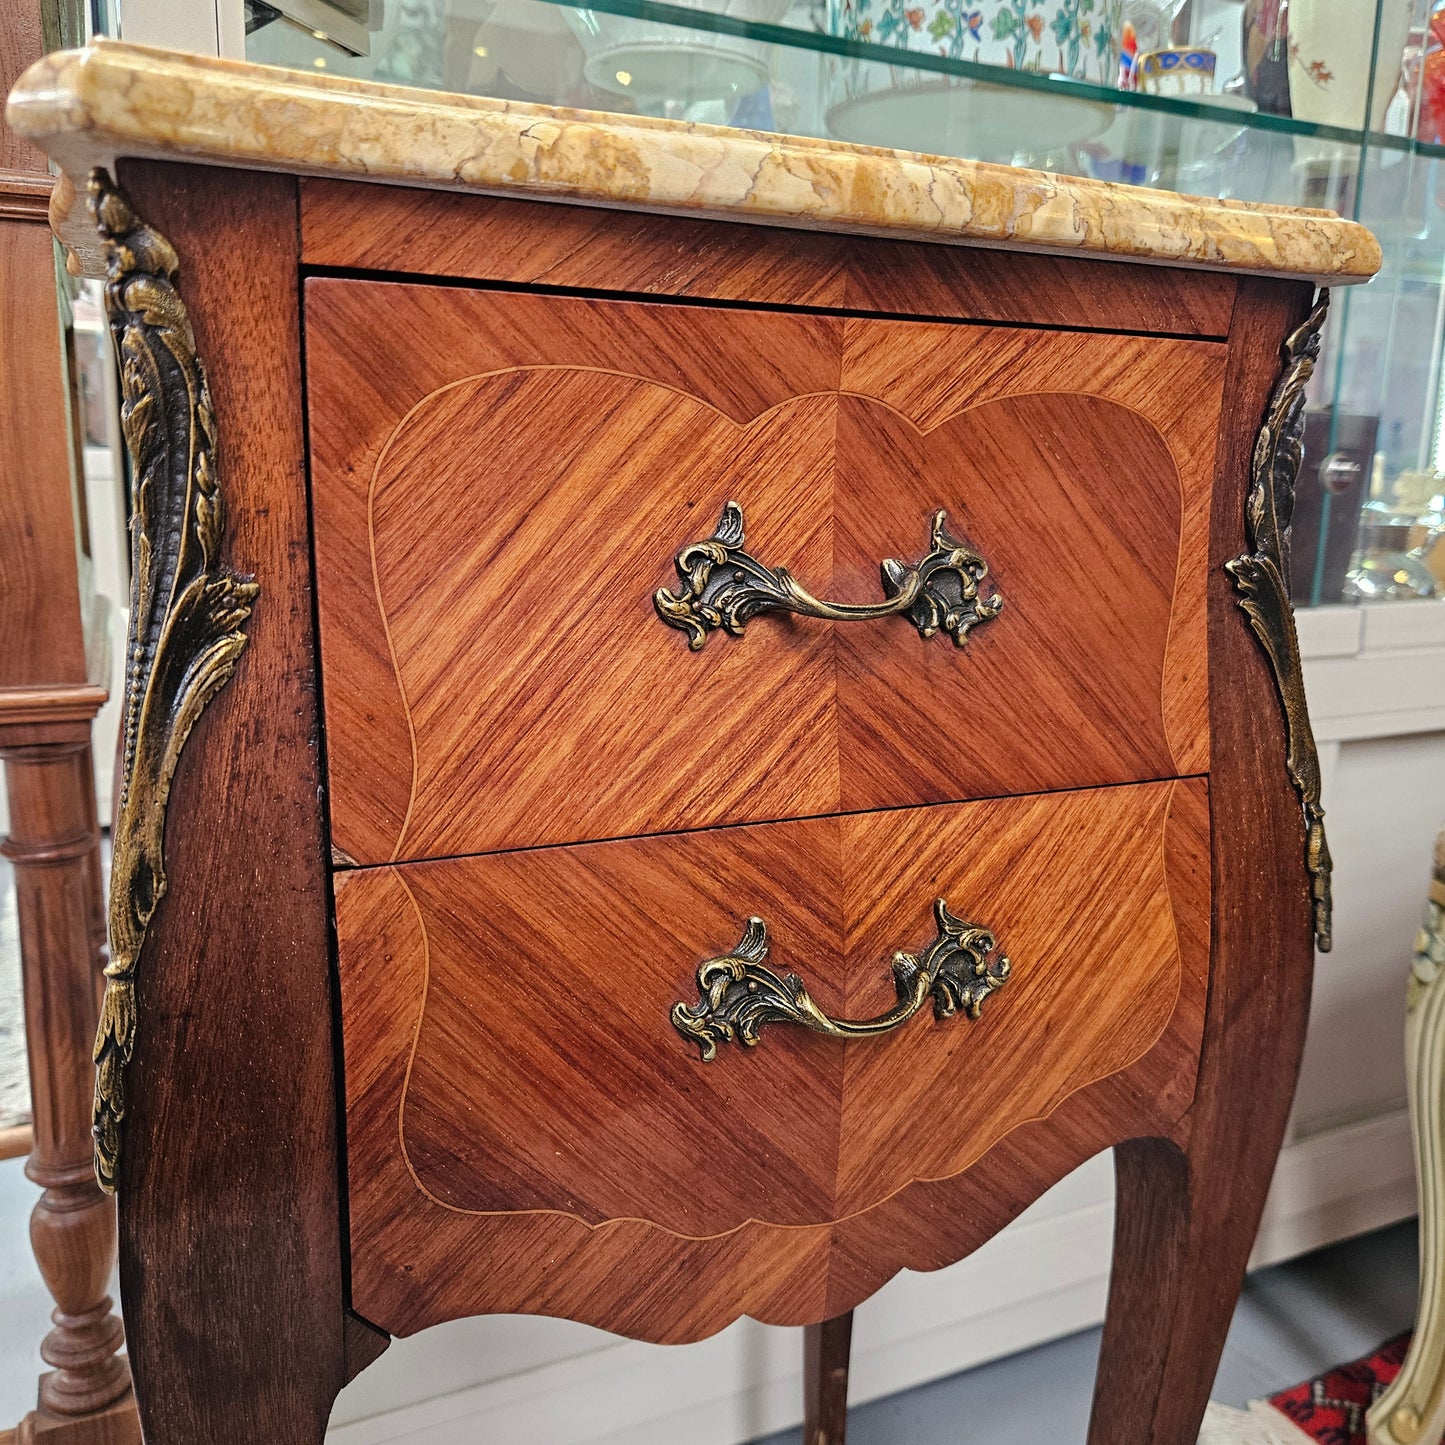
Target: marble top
[{"x": 88, "y": 107}]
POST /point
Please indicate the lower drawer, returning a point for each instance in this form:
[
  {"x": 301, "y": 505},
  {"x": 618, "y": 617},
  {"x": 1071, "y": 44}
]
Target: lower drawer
[{"x": 533, "y": 1127}]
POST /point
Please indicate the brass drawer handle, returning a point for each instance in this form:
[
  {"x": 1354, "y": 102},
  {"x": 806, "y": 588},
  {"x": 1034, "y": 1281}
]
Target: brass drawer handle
[
  {"x": 725, "y": 587},
  {"x": 739, "y": 993}
]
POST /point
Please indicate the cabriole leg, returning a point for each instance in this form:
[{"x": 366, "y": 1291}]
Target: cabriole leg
[
  {"x": 1186, "y": 1222},
  {"x": 1189, "y": 1207}
]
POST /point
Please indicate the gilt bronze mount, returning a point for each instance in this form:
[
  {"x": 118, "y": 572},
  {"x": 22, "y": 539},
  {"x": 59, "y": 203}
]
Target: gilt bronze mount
[
  {"x": 739, "y": 993},
  {"x": 725, "y": 587},
  {"x": 1261, "y": 578},
  {"x": 188, "y": 612}
]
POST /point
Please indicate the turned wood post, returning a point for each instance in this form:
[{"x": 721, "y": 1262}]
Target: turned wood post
[
  {"x": 54, "y": 845},
  {"x": 53, "y": 667}
]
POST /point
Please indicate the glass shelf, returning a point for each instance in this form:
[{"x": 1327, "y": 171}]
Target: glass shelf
[
  {"x": 653, "y": 57},
  {"x": 1059, "y": 88},
  {"x": 924, "y": 75}
]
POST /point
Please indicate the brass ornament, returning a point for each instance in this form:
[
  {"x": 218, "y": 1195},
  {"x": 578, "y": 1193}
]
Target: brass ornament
[
  {"x": 739, "y": 993},
  {"x": 725, "y": 587},
  {"x": 1261, "y": 578},
  {"x": 187, "y": 611}
]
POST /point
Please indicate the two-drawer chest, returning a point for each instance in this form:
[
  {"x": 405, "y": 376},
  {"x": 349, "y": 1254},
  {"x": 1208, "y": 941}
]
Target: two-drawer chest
[{"x": 675, "y": 769}]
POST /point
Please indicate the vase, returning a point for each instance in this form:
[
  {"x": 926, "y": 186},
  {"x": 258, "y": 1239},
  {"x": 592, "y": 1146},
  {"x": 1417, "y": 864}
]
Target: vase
[
  {"x": 903, "y": 108},
  {"x": 1077, "y": 38},
  {"x": 1330, "y": 43}
]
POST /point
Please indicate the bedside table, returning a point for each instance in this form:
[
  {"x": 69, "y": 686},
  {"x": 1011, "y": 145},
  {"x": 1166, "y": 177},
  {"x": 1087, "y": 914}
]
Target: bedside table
[{"x": 692, "y": 766}]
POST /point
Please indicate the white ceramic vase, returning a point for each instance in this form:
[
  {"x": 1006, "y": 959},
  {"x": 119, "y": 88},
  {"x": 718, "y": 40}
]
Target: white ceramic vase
[{"x": 1330, "y": 43}]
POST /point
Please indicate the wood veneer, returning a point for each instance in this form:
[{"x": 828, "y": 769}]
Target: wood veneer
[
  {"x": 483, "y": 238},
  {"x": 509, "y": 1051},
  {"x": 494, "y": 511}
]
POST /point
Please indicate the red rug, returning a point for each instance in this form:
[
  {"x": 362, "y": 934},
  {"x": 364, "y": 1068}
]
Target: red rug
[{"x": 1331, "y": 1408}]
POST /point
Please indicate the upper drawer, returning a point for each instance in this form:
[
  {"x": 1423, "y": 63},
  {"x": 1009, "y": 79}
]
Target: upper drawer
[{"x": 501, "y": 483}]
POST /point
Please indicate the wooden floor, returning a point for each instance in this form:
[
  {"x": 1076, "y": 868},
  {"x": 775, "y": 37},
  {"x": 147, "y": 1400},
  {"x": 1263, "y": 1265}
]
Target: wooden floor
[{"x": 1293, "y": 1321}]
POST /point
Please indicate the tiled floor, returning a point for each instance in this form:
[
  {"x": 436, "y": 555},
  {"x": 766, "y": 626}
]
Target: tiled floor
[{"x": 1293, "y": 1321}]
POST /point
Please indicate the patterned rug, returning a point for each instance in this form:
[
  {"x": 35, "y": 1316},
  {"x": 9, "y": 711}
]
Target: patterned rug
[{"x": 1331, "y": 1408}]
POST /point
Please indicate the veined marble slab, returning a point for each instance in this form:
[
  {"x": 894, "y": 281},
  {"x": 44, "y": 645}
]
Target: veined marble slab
[{"x": 87, "y": 107}]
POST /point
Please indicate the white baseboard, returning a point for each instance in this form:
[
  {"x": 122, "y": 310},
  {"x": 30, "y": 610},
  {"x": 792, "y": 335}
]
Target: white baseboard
[
  {"x": 1044, "y": 1277},
  {"x": 1337, "y": 1184}
]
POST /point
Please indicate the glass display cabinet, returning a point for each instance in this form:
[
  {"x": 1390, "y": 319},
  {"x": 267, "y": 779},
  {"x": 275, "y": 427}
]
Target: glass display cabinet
[{"x": 1325, "y": 103}]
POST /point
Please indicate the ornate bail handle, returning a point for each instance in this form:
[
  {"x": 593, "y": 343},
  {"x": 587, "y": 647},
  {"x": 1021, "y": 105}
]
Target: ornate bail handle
[
  {"x": 739, "y": 993},
  {"x": 723, "y": 586}
]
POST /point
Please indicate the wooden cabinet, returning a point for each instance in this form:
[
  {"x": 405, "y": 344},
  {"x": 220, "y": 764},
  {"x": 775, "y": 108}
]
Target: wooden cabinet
[
  {"x": 543, "y": 811},
  {"x": 485, "y": 941}
]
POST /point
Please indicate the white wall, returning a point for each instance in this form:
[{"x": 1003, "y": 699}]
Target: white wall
[
  {"x": 1377, "y": 688},
  {"x": 24, "y": 1304}
]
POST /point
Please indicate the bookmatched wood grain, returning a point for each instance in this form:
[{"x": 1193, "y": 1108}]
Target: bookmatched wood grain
[
  {"x": 494, "y": 512},
  {"x": 230, "y": 1233},
  {"x": 515, "y": 1085},
  {"x": 479, "y": 238}
]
